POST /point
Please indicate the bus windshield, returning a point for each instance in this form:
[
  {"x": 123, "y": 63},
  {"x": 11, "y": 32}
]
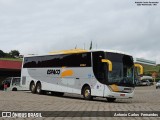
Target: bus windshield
[
  {"x": 121, "y": 75},
  {"x": 122, "y": 71}
]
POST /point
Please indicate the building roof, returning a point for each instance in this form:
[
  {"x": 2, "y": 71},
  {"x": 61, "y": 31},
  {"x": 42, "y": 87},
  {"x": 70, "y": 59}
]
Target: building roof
[
  {"x": 145, "y": 61},
  {"x": 7, "y": 64}
]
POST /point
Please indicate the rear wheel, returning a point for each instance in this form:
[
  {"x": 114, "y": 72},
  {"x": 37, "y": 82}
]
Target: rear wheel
[
  {"x": 14, "y": 89},
  {"x": 38, "y": 88},
  {"x": 111, "y": 99},
  {"x": 33, "y": 87},
  {"x": 87, "y": 93}
]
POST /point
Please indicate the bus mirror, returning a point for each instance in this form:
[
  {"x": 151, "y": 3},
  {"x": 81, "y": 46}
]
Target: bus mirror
[
  {"x": 109, "y": 64},
  {"x": 140, "y": 67}
]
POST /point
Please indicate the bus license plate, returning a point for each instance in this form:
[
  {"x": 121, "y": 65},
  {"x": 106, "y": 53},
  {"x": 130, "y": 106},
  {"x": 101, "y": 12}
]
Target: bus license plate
[{"x": 122, "y": 94}]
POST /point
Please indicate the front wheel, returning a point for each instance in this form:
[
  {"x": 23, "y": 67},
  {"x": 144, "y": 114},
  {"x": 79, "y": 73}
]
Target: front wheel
[
  {"x": 111, "y": 99},
  {"x": 87, "y": 93},
  {"x": 14, "y": 89}
]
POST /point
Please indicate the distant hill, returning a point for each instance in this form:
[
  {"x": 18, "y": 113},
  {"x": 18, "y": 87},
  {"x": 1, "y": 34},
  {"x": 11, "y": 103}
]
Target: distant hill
[{"x": 149, "y": 69}]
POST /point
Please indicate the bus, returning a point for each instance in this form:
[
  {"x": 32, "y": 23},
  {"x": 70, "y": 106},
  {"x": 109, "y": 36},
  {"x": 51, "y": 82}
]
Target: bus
[
  {"x": 91, "y": 73},
  {"x": 140, "y": 78},
  {"x": 138, "y": 69}
]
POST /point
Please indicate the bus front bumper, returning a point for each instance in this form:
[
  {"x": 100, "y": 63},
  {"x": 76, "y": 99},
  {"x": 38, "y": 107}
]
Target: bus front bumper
[{"x": 119, "y": 95}]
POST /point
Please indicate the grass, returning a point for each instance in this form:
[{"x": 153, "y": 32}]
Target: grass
[
  {"x": 11, "y": 59},
  {"x": 149, "y": 69}
]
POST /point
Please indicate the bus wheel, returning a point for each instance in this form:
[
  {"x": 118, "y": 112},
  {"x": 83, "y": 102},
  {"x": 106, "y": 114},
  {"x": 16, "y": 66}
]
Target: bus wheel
[
  {"x": 32, "y": 87},
  {"x": 111, "y": 99},
  {"x": 38, "y": 88},
  {"x": 14, "y": 89},
  {"x": 87, "y": 93}
]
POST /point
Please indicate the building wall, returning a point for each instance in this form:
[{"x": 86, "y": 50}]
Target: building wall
[{"x": 9, "y": 69}]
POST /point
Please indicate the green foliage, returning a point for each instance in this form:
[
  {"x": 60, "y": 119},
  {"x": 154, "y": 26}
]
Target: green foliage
[
  {"x": 2, "y": 54},
  {"x": 149, "y": 69},
  {"x": 7, "y": 55},
  {"x": 157, "y": 79},
  {"x": 11, "y": 54},
  {"x": 14, "y": 53},
  {"x": 147, "y": 73}
]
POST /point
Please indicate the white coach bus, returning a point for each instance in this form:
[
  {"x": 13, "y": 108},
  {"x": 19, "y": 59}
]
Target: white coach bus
[{"x": 98, "y": 73}]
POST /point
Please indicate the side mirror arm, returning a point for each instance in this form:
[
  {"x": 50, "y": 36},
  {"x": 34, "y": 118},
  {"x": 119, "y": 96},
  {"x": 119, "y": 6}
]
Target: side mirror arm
[
  {"x": 139, "y": 66},
  {"x": 109, "y": 64}
]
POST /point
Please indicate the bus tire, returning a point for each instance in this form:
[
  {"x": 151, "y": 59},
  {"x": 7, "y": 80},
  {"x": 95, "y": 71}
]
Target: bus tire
[
  {"x": 38, "y": 88},
  {"x": 87, "y": 93},
  {"x": 111, "y": 99},
  {"x": 33, "y": 87},
  {"x": 14, "y": 89}
]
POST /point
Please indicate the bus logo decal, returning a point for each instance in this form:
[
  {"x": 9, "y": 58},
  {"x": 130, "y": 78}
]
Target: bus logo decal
[
  {"x": 67, "y": 73},
  {"x": 53, "y": 71}
]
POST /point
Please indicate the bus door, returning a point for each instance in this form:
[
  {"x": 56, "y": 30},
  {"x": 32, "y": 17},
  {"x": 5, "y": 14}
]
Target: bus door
[{"x": 100, "y": 70}]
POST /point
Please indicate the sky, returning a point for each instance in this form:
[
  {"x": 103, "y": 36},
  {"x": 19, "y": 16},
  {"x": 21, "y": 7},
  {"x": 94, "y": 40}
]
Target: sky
[{"x": 42, "y": 26}]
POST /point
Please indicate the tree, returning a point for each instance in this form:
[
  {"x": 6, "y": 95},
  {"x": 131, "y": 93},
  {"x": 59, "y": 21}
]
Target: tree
[
  {"x": 2, "y": 54},
  {"x": 14, "y": 53}
]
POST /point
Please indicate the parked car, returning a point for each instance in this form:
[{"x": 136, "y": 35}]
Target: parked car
[
  {"x": 158, "y": 84},
  {"x": 13, "y": 83},
  {"x": 146, "y": 82},
  {"x": 138, "y": 82}
]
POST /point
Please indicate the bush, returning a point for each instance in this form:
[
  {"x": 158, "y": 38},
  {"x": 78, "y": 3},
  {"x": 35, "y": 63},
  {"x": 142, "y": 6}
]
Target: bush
[
  {"x": 2, "y": 54},
  {"x": 157, "y": 79}
]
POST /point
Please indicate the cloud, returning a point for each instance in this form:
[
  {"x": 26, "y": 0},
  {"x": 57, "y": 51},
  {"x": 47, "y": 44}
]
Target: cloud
[{"x": 42, "y": 26}]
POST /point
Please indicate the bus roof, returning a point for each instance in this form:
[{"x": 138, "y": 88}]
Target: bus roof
[
  {"x": 68, "y": 51},
  {"x": 72, "y": 51}
]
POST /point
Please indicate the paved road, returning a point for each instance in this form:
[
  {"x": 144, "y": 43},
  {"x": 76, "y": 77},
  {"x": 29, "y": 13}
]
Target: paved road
[{"x": 145, "y": 99}]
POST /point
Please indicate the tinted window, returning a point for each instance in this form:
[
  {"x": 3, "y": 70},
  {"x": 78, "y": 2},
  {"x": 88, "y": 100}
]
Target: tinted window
[
  {"x": 99, "y": 68},
  {"x": 16, "y": 81},
  {"x": 122, "y": 68},
  {"x": 68, "y": 60},
  {"x": 7, "y": 80}
]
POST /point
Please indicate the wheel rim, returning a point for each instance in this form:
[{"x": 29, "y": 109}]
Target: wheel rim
[
  {"x": 86, "y": 93},
  {"x": 33, "y": 86},
  {"x": 38, "y": 89}
]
